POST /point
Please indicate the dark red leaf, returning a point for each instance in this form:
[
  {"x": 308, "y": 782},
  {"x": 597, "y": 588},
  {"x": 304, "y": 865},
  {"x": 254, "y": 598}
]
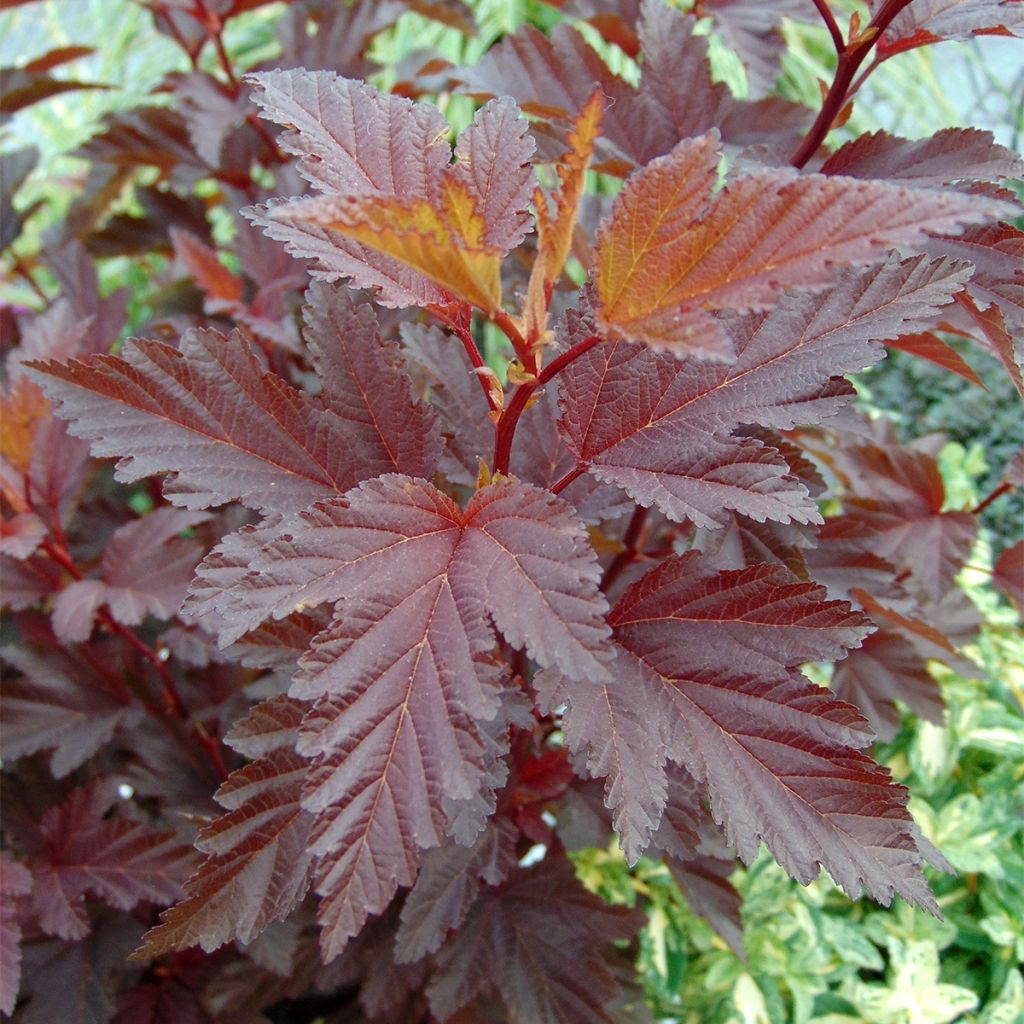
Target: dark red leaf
[
  {"x": 15, "y": 880},
  {"x": 754, "y": 30},
  {"x": 23, "y": 87},
  {"x": 554, "y": 76},
  {"x": 210, "y": 406},
  {"x": 711, "y": 659},
  {"x": 670, "y": 256},
  {"x": 165, "y": 1002},
  {"x": 537, "y": 940},
  {"x": 120, "y": 861},
  {"x": 930, "y": 21},
  {"x": 447, "y": 886},
  {"x": 365, "y": 383},
  {"x": 1008, "y": 574},
  {"x": 893, "y": 510},
  {"x": 932, "y": 348},
  {"x": 660, "y": 428},
  {"x": 258, "y": 865},
  {"x": 61, "y": 703},
  {"x": 396, "y": 215},
  {"x": 885, "y": 669},
  {"x": 75, "y": 981},
  {"x": 704, "y": 881},
  {"x": 952, "y": 154},
  {"x": 402, "y": 677},
  {"x": 997, "y": 252},
  {"x": 146, "y": 570}
]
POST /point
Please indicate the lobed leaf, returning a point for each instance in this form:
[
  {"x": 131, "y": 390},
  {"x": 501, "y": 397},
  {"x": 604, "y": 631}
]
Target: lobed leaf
[
  {"x": 225, "y": 429},
  {"x": 537, "y": 940},
  {"x": 669, "y": 256},
  {"x": 15, "y": 880},
  {"x": 893, "y": 510},
  {"x": 258, "y": 865},
  {"x": 120, "y": 861},
  {"x": 885, "y": 669},
  {"x": 554, "y": 76},
  {"x": 62, "y": 703},
  {"x": 952, "y": 154},
  {"x": 391, "y": 201},
  {"x": 401, "y": 679},
  {"x": 709, "y": 657},
  {"x": 662, "y": 429},
  {"x": 448, "y": 885},
  {"x": 931, "y": 21}
]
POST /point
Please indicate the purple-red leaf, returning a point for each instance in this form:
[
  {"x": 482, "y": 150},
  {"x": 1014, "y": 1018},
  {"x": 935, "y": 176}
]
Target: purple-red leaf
[
  {"x": 893, "y": 510},
  {"x": 258, "y": 864},
  {"x": 754, "y": 30},
  {"x": 62, "y": 703},
  {"x": 15, "y": 880},
  {"x": 365, "y": 382},
  {"x": 710, "y": 658},
  {"x": 1008, "y": 575},
  {"x": 120, "y": 861},
  {"x": 885, "y": 669},
  {"x": 661, "y": 428},
  {"x": 952, "y": 154},
  {"x": 395, "y": 214},
  {"x": 226, "y": 429},
  {"x": 670, "y": 256},
  {"x": 146, "y": 570},
  {"x": 447, "y": 886},
  {"x": 932, "y": 348},
  {"x": 554, "y": 76},
  {"x": 537, "y": 940},
  {"x": 931, "y": 21},
  {"x": 402, "y": 677}
]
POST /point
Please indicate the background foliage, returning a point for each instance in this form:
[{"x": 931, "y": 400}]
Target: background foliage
[{"x": 811, "y": 955}]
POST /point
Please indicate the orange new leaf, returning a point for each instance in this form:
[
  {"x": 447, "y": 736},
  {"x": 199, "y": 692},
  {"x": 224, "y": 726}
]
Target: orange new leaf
[
  {"x": 554, "y": 231},
  {"x": 671, "y": 256},
  {"x": 444, "y": 243}
]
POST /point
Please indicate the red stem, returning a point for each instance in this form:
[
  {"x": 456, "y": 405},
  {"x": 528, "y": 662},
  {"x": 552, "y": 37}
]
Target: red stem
[
  {"x": 850, "y": 59},
  {"x": 631, "y": 541},
  {"x": 505, "y": 431},
  {"x": 561, "y": 362},
  {"x": 506, "y": 428},
  {"x": 214, "y": 27},
  {"x": 524, "y": 353},
  {"x": 997, "y": 493},
  {"x": 830, "y": 23},
  {"x": 22, "y": 270},
  {"x": 172, "y": 699},
  {"x": 465, "y": 335},
  {"x": 560, "y": 485}
]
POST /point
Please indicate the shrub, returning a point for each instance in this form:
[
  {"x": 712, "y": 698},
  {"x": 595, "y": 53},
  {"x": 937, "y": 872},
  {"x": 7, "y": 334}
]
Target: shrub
[{"x": 507, "y": 491}]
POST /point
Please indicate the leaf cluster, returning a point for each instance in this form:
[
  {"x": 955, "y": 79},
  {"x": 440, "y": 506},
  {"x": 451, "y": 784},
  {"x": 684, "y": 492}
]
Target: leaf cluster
[{"x": 445, "y": 502}]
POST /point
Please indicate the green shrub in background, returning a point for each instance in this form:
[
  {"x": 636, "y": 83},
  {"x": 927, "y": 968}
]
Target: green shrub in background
[{"x": 811, "y": 956}]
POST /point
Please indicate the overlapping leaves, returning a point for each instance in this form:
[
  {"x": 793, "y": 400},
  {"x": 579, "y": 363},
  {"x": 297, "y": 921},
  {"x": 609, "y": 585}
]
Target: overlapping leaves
[
  {"x": 669, "y": 257},
  {"x": 554, "y": 76},
  {"x": 662, "y": 428},
  {"x": 395, "y": 214},
  {"x": 258, "y": 864},
  {"x": 402, "y": 680},
  {"x": 226, "y": 428},
  {"x": 708, "y": 658}
]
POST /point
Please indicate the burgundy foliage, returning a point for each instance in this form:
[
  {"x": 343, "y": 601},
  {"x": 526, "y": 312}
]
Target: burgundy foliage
[{"x": 448, "y": 515}]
